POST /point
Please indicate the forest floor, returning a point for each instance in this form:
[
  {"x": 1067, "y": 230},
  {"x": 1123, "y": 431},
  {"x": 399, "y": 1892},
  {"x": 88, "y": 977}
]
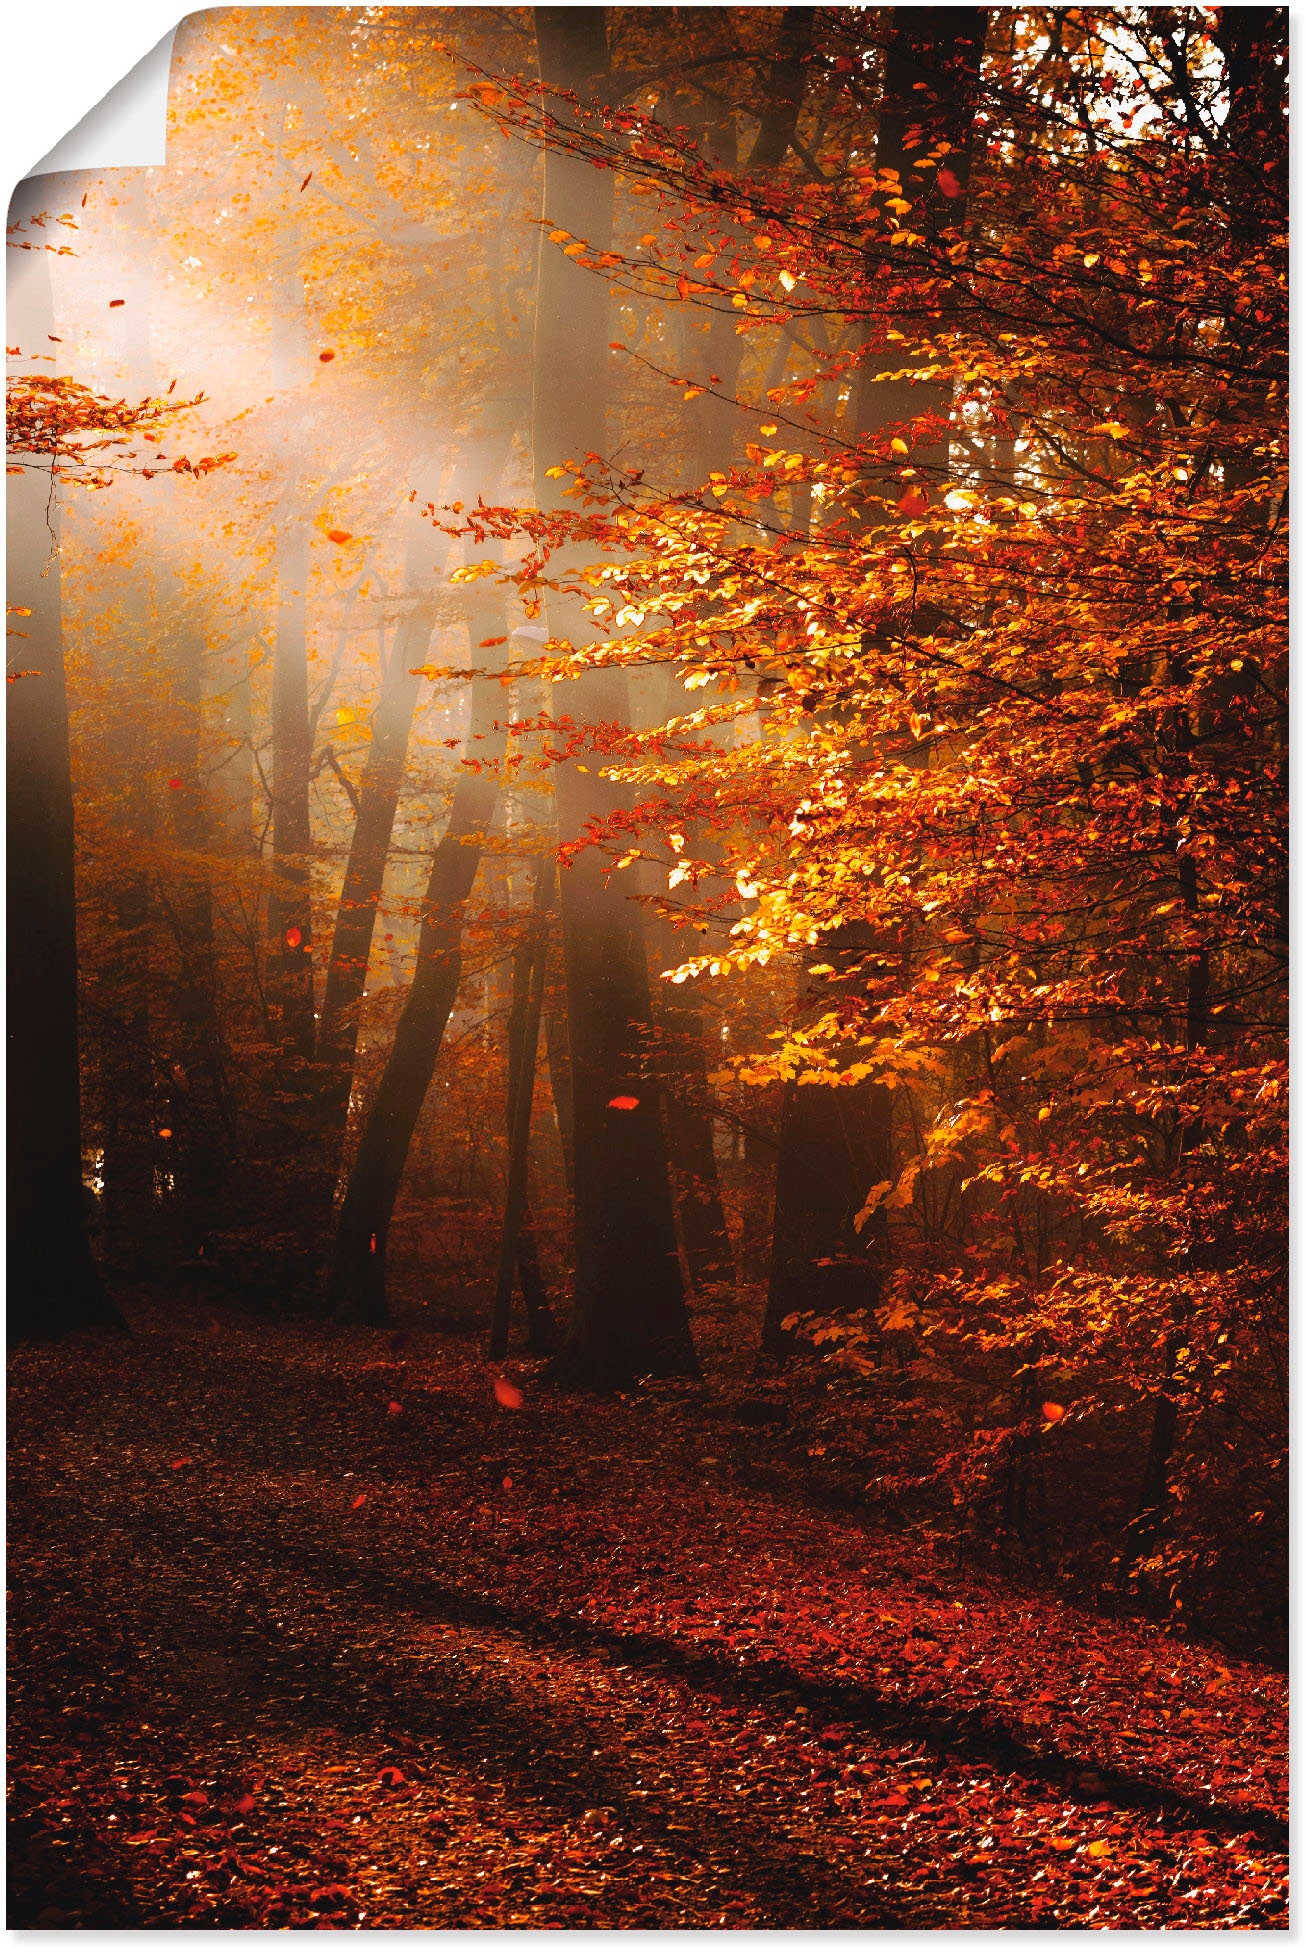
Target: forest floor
[{"x": 307, "y": 1627}]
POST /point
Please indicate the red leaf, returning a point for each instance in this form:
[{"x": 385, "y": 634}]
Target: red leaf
[
  {"x": 326, "y": 357},
  {"x": 339, "y": 535},
  {"x": 622, "y": 1104},
  {"x": 179, "y": 1462},
  {"x": 243, "y": 1804},
  {"x": 395, "y": 1409},
  {"x": 391, "y": 1776},
  {"x": 507, "y": 1484},
  {"x": 116, "y": 301},
  {"x": 507, "y": 1393},
  {"x": 175, "y": 784},
  {"x": 913, "y": 500},
  {"x": 1054, "y": 1412},
  {"x": 361, "y": 1499},
  {"x": 948, "y": 183},
  {"x": 293, "y": 938}
]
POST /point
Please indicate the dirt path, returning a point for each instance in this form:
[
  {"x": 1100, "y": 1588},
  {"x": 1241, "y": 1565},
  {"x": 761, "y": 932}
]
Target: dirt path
[{"x": 305, "y": 1630}]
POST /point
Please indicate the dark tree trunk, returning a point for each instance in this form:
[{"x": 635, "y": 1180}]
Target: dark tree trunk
[
  {"x": 360, "y": 897},
  {"x": 54, "y": 1285},
  {"x": 530, "y": 969},
  {"x": 704, "y": 1231},
  {"x": 204, "y": 1144},
  {"x": 357, "y": 1288},
  {"x": 290, "y": 910},
  {"x": 629, "y": 1314}
]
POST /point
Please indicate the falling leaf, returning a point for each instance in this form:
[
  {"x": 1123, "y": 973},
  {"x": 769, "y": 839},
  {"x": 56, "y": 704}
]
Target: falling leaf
[
  {"x": 394, "y": 1409},
  {"x": 622, "y": 1104},
  {"x": 1054, "y": 1412},
  {"x": 339, "y": 535},
  {"x": 788, "y": 280},
  {"x": 361, "y": 1499},
  {"x": 507, "y": 1394},
  {"x": 948, "y": 183},
  {"x": 307, "y": 180},
  {"x": 770, "y": 428},
  {"x": 391, "y": 1777},
  {"x": 165, "y": 1131},
  {"x": 913, "y": 501},
  {"x": 507, "y": 1484},
  {"x": 179, "y": 1462},
  {"x": 175, "y": 785},
  {"x": 293, "y": 938},
  {"x": 114, "y": 302},
  {"x": 326, "y": 357}
]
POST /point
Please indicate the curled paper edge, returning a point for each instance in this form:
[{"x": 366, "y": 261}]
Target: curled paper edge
[{"x": 128, "y": 129}]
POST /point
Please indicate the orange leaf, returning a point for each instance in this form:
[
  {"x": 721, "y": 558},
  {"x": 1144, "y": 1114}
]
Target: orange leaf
[
  {"x": 913, "y": 501},
  {"x": 1054, "y": 1412},
  {"x": 165, "y": 1131},
  {"x": 326, "y": 357},
  {"x": 622, "y": 1104},
  {"x": 338, "y": 535},
  {"x": 507, "y": 1394}
]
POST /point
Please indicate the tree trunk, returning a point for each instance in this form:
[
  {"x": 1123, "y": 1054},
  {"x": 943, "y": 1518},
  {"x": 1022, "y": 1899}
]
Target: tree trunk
[
  {"x": 704, "y": 1232},
  {"x": 360, "y": 897},
  {"x": 530, "y": 968},
  {"x": 290, "y": 910},
  {"x": 54, "y": 1283},
  {"x": 629, "y": 1314},
  {"x": 357, "y": 1290}
]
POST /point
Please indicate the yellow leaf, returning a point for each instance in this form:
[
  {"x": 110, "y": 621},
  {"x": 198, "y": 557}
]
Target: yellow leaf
[
  {"x": 1099, "y": 1848},
  {"x": 788, "y": 280},
  {"x": 899, "y": 446}
]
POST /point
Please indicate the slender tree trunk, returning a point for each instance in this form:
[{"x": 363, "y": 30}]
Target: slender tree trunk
[
  {"x": 206, "y": 1144},
  {"x": 357, "y": 1288},
  {"x": 54, "y": 1285},
  {"x": 704, "y": 1231},
  {"x": 629, "y": 1313},
  {"x": 290, "y": 910},
  {"x": 530, "y": 968},
  {"x": 360, "y": 897}
]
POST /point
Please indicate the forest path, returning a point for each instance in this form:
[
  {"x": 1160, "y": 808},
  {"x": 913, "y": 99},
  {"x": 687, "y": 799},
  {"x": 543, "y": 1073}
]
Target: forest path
[{"x": 309, "y": 1628}]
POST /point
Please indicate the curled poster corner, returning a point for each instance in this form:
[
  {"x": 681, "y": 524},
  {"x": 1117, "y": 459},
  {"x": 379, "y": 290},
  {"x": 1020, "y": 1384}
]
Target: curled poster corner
[{"x": 128, "y": 129}]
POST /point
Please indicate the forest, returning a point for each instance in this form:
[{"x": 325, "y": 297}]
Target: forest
[{"x": 647, "y": 962}]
